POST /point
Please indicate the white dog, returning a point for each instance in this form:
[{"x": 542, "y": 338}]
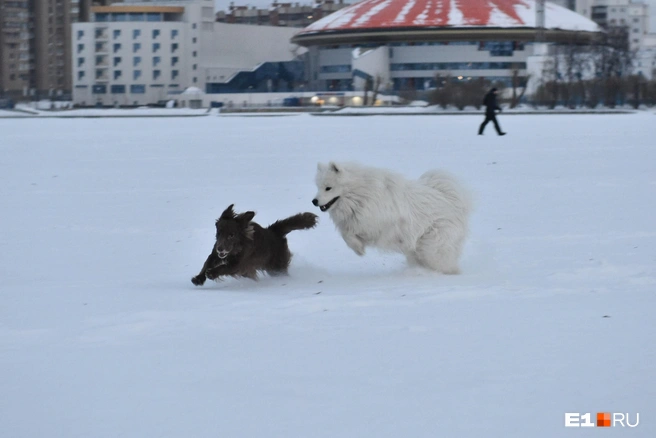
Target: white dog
[{"x": 425, "y": 219}]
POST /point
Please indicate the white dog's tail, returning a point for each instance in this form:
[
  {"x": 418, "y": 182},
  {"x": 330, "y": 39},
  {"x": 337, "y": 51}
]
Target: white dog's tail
[{"x": 452, "y": 189}]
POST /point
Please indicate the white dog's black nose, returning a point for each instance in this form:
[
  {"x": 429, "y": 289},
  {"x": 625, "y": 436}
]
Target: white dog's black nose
[{"x": 315, "y": 202}]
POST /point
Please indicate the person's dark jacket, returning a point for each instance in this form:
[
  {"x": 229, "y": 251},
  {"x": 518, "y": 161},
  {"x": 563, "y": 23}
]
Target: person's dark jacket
[{"x": 490, "y": 102}]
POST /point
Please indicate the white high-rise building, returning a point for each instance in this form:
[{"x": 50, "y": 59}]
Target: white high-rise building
[
  {"x": 144, "y": 52},
  {"x": 622, "y": 13},
  {"x": 136, "y": 54}
]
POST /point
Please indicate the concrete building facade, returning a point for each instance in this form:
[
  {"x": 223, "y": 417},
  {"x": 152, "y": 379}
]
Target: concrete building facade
[
  {"x": 280, "y": 13},
  {"x": 468, "y": 40},
  {"x": 35, "y": 47},
  {"x": 16, "y": 59},
  {"x": 143, "y": 53},
  {"x": 629, "y": 14}
]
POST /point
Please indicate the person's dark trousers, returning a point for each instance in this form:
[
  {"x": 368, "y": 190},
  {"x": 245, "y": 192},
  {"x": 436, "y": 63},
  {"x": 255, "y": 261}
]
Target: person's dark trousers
[{"x": 490, "y": 118}]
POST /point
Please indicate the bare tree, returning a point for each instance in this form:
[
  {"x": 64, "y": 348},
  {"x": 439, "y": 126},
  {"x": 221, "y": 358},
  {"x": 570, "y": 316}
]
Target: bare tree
[
  {"x": 367, "y": 87},
  {"x": 378, "y": 80},
  {"x": 613, "y": 60},
  {"x": 518, "y": 82}
]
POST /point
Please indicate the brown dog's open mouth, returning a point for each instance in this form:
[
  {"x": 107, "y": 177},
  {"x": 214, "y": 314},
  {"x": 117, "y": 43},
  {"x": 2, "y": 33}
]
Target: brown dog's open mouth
[{"x": 328, "y": 205}]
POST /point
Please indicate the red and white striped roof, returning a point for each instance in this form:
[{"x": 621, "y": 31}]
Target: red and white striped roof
[{"x": 390, "y": 14}]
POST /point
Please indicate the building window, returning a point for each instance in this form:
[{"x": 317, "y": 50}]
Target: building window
[
  {"x": 100, "y": 59},
  {"x": 80, "y": 34},
  {"x": 100, "y": 74},
  {"x": 193, "y": 40},
  {"x": 100, "y": 33},
  {"x": 120, "y": 16},
  {"x": 80, "y": 48},
  {"x": 174, "y": 47},
  {"x": 194, "y": 53},
  {"x": 136, "y": 47},
  {"x": 502, "y": 48},
  {"x": 136, "y": 61},
  {"x": 155, "y": 33},
  {"x": 153, "y": 16},
  {"x": 195, "y": 66},
  {"x": 156, "y": 74},
  {"x": 174, "y": 33},
  {"x": 636, "y": 20},
  {"x": 136, "y": 33},
  {"x": 102, "y": 18},
  {"x": 345, "y": 68},
  {"x": 117, "y": 47},
  {"x": 117, "y": 74},
  {"x": 193, "y": 26},
  {"x": 80, "y": 75},
  {"x": 99, "y": 89},
  {"x": 195, "y": 80},
  {"x": 136, "y": 74},
  {"x": 117, "y": 60},
  {"x": 137, "y": 89},
  {"x": 117, "y": 89},
  {"x": 117, "y": 33},
  {"x": 156, "y": 47},
  {"x": 427, "y": 66},
  {"x": 156, "y": 60},
  {"x": 174, "y": 75},
  {"x": 174, "y": 60},
  {"x": 80, "y": 62}
]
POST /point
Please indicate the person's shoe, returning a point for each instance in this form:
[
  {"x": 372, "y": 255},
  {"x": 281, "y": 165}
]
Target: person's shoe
[{"x": 502, "y": 133}]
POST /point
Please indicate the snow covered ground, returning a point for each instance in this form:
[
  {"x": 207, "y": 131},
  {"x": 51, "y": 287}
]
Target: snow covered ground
[
  {"x": 104, "y": 222},
  {"x": 27, "y": 111}
]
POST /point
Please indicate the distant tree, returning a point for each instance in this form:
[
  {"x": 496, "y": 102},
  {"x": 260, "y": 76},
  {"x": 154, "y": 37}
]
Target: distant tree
[
  {"x": 613, "y": 60},
  {"x": 442, "y": 94},
  {"x": 367, "y": 88},
  {"x": 517, "y": 83},
  {"x": 377, "y": 82},
  {"x": 408, "y": 92}
]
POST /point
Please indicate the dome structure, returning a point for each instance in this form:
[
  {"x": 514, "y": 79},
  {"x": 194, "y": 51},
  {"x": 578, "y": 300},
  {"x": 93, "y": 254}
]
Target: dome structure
[{"x": 397, "y": 20}]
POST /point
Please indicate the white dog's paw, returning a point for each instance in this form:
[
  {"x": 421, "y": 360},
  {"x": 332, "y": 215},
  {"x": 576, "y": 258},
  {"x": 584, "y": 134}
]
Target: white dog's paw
[{"x": 356, "y": 244}]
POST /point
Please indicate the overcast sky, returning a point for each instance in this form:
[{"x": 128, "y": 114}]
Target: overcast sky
[{"x": 223, "y": 5}]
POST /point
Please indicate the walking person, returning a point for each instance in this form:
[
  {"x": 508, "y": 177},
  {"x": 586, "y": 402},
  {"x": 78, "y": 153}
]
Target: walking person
[{"x": 491, "y": 105}]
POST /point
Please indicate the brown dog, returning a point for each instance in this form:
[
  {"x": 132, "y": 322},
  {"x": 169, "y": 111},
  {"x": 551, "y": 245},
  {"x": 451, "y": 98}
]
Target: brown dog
[{"x": 243, "y": 247}]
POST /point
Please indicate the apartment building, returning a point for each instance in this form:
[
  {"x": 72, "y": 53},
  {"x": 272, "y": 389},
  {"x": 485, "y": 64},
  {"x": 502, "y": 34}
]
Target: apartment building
[
  {"x": 632, "y": 15},
  {"x": 16, "y": 62},
  {"x": 35, "y": 57},
  {"x": 280, "y": 14},
  {"x": 147, "y": 52},
  {"x": 134, "y": 55}
]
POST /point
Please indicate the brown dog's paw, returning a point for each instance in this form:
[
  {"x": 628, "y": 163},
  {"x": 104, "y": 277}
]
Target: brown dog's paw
[
  {"x": 213, "y": 274},
  {"x": 198, "y": 280}
]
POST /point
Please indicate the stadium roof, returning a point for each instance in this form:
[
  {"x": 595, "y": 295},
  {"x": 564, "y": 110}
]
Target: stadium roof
[{"x": 382, "y": 17}]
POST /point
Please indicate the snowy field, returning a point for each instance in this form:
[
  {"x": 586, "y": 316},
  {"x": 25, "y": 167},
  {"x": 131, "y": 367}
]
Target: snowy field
[{"x": 104, "y": 222}]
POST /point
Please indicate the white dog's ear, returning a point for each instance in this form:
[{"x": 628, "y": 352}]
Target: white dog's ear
[{"x": 333, "y": 167}]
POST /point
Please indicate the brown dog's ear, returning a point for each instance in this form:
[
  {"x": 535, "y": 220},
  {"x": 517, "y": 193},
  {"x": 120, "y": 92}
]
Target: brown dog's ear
[
  {"x": 245, "y": 218},
  {"x": 228, "y": 213}
]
